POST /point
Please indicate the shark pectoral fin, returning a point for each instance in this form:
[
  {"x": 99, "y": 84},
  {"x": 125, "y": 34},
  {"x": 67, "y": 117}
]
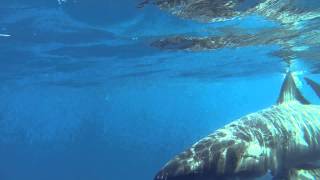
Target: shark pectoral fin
[
  {"x": 305, "y": 174},
  {"x": 315, "y": 86},
  {"x": 289, "y": 91}
]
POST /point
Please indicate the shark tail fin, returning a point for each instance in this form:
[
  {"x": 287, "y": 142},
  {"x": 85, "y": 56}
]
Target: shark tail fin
[
  {"x": 289, "y": 91},
  {"x": 315, "y": 86}
]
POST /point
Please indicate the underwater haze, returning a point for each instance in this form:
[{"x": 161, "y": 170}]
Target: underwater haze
[{"x": 112, "y": 90}]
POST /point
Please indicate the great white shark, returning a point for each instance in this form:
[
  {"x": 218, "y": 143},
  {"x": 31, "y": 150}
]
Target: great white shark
[{"x": 282, "y": 140}]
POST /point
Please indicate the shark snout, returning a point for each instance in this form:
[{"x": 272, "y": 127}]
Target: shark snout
[
  {"x": 199, "y": 162},
  {"x": 180, "y": 168},
  {"x": 223, "y": 159},
  {"x": 161, "y": 176},
  {"x": 164, "y": 175},
  {"x": 172, "y": 171}
]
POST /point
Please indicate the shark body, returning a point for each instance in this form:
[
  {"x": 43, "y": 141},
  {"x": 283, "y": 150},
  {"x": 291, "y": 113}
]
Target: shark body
[{"x": 283, "y": 140}]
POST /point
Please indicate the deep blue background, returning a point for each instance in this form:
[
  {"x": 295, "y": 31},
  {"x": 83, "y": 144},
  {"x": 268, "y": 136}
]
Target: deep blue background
[{"x": 84, "y": 97}]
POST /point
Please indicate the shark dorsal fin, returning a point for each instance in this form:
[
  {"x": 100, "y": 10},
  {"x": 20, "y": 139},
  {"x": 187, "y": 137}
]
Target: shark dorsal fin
[
  {"x": 289, "y": 91},
  {"x": 315, "y": 86}
]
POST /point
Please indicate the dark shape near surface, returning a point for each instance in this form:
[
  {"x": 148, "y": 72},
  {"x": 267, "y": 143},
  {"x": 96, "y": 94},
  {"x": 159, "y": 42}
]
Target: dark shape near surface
[
  {"x": 315, "y": 86},
  {"x": 205, "y": 10}
]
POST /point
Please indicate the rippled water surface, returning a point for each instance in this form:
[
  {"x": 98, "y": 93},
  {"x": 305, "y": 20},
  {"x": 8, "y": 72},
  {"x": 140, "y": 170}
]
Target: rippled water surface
[{"x": 111, "y": 90}]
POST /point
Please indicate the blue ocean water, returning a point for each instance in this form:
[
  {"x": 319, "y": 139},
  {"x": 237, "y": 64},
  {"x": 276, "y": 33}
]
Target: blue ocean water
[{"x": 84, "y": 94}]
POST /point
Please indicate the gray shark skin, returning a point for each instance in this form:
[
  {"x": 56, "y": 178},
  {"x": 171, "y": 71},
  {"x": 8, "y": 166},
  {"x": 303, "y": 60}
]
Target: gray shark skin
[{"x": 283, "y": 140}]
